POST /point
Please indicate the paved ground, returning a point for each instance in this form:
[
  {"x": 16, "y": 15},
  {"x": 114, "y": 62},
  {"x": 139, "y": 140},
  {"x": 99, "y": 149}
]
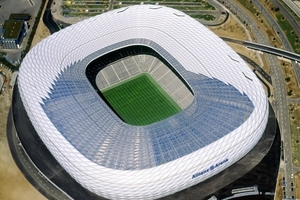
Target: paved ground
[{"x": 18, "y": 6}]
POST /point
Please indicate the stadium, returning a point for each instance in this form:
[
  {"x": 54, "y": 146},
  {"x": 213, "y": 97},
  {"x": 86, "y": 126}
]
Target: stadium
[{"x": 142, "y": 102}]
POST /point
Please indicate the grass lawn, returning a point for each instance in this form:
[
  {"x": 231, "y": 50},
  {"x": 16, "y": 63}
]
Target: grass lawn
[
  {"x": 289, "y": 32},
  {"x": 294, "y": 112},
  {"x": 248, "y": 5},
  {"x": 89, "y": 8},
  {"x": 206, "y": 17},
  {"x": 140, "y": 100}
]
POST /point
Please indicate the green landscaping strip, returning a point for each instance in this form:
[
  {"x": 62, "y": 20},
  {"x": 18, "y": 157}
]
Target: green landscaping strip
[
  {"x": 289, "y": 32},
  {"x": 295, "y": 133},
  {"x": 206, "y": 17},
  {"x": 248, "y": 5}
]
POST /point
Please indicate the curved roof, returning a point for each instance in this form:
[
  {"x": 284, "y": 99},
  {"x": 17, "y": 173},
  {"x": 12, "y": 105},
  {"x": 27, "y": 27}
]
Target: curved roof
[
  {"x": 229, "y": 104},
  {"x": 85, "y": 120}
]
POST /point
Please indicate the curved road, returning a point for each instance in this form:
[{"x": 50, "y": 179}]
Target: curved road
[
  {"x": 280, "y": 100},
  {"x": 273, "y": 22},
  {"x": 48, "y": 20}
]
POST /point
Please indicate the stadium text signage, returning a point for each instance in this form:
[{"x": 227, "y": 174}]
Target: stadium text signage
[{"x": 210, "y": 168}]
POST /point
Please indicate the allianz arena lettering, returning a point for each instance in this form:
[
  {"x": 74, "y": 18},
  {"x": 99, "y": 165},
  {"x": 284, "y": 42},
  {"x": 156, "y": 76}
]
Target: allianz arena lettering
[{"x": 210, "y": 169}]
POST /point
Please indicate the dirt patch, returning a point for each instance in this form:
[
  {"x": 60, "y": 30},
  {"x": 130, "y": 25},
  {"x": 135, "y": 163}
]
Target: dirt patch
[
  {"x": 297, "y": 185},
  {"x": 231, "y": 28},
  {"x": 291, "y": 83},
  {"x": 13, "y": 185},
  {"x": 279, "y": 190},
  {"x": 294, "y": 115},
  {"x": 41, "y": 33}
]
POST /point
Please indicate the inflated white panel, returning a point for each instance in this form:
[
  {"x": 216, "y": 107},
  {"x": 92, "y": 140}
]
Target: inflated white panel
[{"x": 196, "y": 48}]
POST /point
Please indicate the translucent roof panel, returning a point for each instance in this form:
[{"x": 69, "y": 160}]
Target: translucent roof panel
[{"x": 87, "y": 122}]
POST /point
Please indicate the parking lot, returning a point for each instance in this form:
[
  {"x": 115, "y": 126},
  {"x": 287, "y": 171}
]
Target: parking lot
[{"x": 30, "y": 7}]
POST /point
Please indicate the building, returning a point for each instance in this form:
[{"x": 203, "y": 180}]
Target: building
[
  {"x": 19, "y": 16},
  {"x": 223, "y": 107},
  {"x": 13, "y": 32}
]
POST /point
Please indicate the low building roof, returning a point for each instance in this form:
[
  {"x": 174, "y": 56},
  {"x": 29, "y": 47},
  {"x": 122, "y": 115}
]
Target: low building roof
[
  {"x": 12, "y": 28},
  {"x": 19, "y": 16}
]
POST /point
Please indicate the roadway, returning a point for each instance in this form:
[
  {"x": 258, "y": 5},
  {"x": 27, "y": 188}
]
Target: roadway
[
  {"x": 266, "y": 48},
  {"x": 48, "y": 19},
  {"x": 280, "y": 100},
  {"x": 273, "y": 22},
  {"x": 288, "y": 14},
  {"x": 292, "y": 6},
  {"x": 289, "y": 167},
  {"x": 262, "y": 72},
  {"x": 256, "y": 67},
  {"x": 295, "y": 26}
]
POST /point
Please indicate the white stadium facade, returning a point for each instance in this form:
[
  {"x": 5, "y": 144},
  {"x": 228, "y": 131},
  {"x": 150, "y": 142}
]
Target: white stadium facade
[{"x": 223, "y": 119}]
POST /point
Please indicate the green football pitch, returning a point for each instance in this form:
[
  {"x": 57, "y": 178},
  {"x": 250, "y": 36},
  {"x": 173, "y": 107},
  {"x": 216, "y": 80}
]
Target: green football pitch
[{"x": 140, "y": 100}]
